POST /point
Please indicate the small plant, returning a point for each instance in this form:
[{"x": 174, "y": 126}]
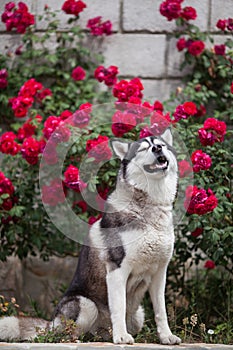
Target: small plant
[
  {"x": 8, "y": 307},
  {"x": 66, "y": 333}
]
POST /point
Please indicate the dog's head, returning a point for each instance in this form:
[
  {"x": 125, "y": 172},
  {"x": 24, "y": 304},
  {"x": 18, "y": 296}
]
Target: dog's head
[{"x": 153, "y": 156}]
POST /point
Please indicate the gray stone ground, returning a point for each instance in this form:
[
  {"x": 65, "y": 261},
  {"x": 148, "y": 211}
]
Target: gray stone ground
[{"x": 109, "y": 346}]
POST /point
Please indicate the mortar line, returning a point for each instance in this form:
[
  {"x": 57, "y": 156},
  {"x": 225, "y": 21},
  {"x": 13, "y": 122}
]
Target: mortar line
[{"x": 121, "y": 11}]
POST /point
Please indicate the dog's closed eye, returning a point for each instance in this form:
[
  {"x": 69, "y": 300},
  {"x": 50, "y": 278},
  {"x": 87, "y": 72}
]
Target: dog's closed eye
[{"x": 143, "y": 149}]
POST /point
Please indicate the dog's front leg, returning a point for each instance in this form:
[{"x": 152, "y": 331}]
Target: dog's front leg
[
  {"x": 157, "y": 294},
  {"x": 116, "y": 285}
]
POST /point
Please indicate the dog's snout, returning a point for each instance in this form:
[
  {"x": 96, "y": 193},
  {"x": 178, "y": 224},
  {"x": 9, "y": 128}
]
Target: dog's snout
[{"x": 156, "y": 148}]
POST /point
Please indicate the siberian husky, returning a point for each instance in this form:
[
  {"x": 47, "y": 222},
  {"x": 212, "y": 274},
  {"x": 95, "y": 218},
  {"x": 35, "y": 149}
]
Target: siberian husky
[{"x": 136, "y": 238}]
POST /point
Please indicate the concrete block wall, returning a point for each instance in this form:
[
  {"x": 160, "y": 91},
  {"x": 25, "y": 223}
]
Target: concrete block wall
[{"x": 141, "y": 44}]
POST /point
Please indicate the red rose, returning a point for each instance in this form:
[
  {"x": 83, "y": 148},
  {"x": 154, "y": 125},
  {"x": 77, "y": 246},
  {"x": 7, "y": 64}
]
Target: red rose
[
  {"x": 197, "y": 232},
  {"x": 43, "y": 94},
  {"x": 86, "y": 105},
  {"x": 6, "y": 185},
  {"x": 78, "y": 73},
  {"x": 72, "y": 179},
  {"x": 179, "y": 113},
  {"x": 159, "y": 123},
  {"x": 10, "y": 6},
  {"x": 107, "y": 27},
  {"x": 231, "y": 88},
  {"x": 190, "y": 108},
  {"x": 3, "y": 78},
  {"x": 3, "y": 83},
  {"x": 31, "y": 148},
  {"x": 149, "y": 107},
  {"x": 210, "y": 264},
  {"x": 184, "y": 168},
  {"x": 158, "y": 106},
  {"x": 123, "y": 90},
  {"x": 188, "y": 13},
  {"x": 98, "y": 28},
  {"x": 221, "y": 24},
  {"x": 50, "y": 125},
  {"x": 211, "y": 202},
  {"x": 65, "y": 114},
  {"x": 230, "y": 24},
  {"x": 216, "y": 125},
  {"x": 200, "y": 160},
  {"x": 220, "y": 49},
  {"x": 196, "y": 48},
  {"x": 101, "y": 197},
  {"x": 98, "y": 148},
  {"x": 72, "y": 7},
  {"x": 8, "y": 144},
  {"x": 25, "y": 98},
  {"x": 170, "y": 9},
  {"x": 61, "y": 134},
  {"x": 53, "y": 193},
  {"x": 184, "y": 111},
  {"x": 28, "y": 128},
  {"x": 136, "y": 108},
  {"x": 30, "y": 88},
  {"x": 199, "y": 201},
  {"x": 8, "y": 204},
  {"x": 213, "y": 131},
  {"x": 145, "y": 132},
  {"x": 81, "y": 204},
  {"x": 82, "y": 116},
  {"x": 19, "y": 50},
  {"x": 108, "y": 75},
  {"x": 123, "y": 122},
  {"x": 100, "y": 73},
  {"x": 20, "y": 105},
  {"x": 18, "y": 18},
  {"x": 181, "y": 44},
  {"x": 206, "y": 138},
  {"x": 93, "y": 219}
]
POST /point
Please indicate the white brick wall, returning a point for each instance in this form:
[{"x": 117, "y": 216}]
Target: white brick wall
[
  {"x": 141, "y": 44},
  {"x": 137, "y": 54}
]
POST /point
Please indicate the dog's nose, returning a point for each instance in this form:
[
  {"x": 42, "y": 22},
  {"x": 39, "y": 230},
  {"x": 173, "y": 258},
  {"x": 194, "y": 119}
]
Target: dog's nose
[{"x": 156, "y": 148}]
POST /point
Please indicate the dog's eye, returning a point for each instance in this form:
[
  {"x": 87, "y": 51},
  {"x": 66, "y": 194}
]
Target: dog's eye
[{"x": 143, "y": 149}]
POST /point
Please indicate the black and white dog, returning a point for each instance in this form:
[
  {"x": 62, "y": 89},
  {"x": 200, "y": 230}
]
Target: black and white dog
[{"x": 127, "y": 252}]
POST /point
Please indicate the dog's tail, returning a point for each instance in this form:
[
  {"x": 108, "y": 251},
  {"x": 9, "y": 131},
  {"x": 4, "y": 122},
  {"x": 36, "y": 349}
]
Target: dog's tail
[{"x": 21, "y": 328}]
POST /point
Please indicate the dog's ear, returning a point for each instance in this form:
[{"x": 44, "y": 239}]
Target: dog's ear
[
  {"x": 120, "y": 148},
  {"x": 167, "y": 136}
]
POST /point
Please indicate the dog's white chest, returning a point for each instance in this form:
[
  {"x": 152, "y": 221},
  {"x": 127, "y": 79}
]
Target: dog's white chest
[{"x": 152, "y": 247}]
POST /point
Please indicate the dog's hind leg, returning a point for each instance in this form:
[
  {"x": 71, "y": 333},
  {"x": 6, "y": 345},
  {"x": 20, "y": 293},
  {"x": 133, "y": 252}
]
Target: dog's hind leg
[
  {"x": 81, "y": 310},
  {"x": 135, "y": 321}
]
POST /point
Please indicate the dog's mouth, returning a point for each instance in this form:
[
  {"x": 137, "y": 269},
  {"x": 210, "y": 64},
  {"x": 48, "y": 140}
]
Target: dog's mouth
[{"x": 160, "y": 164}]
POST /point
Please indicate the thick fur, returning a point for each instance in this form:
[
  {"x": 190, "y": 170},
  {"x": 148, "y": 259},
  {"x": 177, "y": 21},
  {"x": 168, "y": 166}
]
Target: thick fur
[{"x": 126, "y": 253}]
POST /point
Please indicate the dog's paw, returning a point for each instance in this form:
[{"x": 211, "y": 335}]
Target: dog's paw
[
  {"x": 170, "y": 339},
  {"x": 123, "y": 339}
]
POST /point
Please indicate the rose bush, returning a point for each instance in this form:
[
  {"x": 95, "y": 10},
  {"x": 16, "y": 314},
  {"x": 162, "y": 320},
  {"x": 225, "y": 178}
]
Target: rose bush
[
  {"x": 206, "y": 232},
  {"x": 206, "y": 135},
  {"x": 45, "y": 102},
  {"x": 38, "y": 93}
]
